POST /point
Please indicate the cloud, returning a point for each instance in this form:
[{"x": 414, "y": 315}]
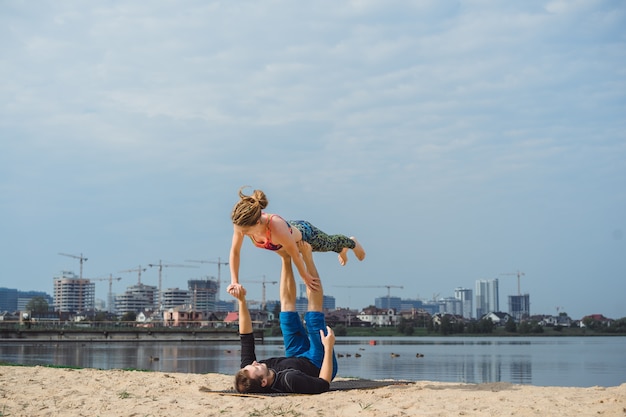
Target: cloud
[{"x": 418, "y": 124}]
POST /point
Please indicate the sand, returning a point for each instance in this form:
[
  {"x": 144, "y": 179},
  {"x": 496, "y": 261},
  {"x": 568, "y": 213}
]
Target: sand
[{"x": 43, "y": 391}]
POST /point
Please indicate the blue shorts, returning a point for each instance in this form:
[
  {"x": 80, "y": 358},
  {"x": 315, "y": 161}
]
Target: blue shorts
[{"x": 305, "y": 343}]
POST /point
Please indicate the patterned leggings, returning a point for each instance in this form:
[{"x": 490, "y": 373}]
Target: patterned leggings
[{"x": 320, "y": 241}]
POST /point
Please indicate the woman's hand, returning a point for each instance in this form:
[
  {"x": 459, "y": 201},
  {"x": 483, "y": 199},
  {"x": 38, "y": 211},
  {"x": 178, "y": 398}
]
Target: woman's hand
[{"x": 237, "y": 291}]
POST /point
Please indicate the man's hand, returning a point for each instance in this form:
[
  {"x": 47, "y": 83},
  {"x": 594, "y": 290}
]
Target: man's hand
[
  {"x": 305, "y": 249},
  {"x": 312, "y": 282},
  {"x": 237, "y": 291},
  {"x": 328, "y": 340}
]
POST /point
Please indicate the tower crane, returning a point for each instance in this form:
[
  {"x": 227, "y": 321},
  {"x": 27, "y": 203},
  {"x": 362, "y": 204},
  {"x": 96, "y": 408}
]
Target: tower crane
[
  {"x": 139, "y": 270},
  {"x": 518, "y": 274},
  {"x": 263, "y": 282},
  {"x": 81, "y": 258},
  {"x": 160, "y": 265},
  {"x": 110, "y": 294},
  {"x": 219, "y": 269},
  {"x": 389, "y": 287}
]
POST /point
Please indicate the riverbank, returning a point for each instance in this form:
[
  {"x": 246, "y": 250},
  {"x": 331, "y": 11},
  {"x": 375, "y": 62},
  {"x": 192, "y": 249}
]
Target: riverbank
[
  {"x": 161, "y": 334},
  {"x": 42, "y": 391}
]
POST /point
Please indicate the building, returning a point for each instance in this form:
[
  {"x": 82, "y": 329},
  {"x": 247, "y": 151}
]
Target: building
[
  {"x": 24, "y": 298},
  {"x": 8, "y": 299},
  {"x": 466, "y": 296},
  {"x": 519, "y": 307},
  {"x": 73, "y": 294},
  {"x": 224, "y": 306},
  {"x": 487, "y": 297},
  {"x": 388, "y": 302},
  {"x": 174, "y": 297},
  {"x": 136, "y": 298},
  {"x": 451, "y": 305},
  {"x": 379, "y": 317},
  {"x": 408, "y": 304},
  {"x": 302, "y": 304},
  {"x": 203, "y": 294},
  {"x": 186, "y": 317},
  {"x": 498, "y": 318}
]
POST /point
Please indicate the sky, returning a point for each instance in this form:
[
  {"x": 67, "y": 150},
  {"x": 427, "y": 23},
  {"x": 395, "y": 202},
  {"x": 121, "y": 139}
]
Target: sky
[{"x": 458, "y": 141}]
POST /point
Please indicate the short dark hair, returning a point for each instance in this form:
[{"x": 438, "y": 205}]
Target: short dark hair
[{"x": 244, "y": 384}]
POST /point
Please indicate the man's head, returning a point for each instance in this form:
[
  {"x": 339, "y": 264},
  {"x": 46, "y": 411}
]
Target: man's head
[{"x": 253, "y": 378}]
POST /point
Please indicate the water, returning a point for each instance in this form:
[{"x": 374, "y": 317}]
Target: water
[{"x": 542, "y": 361}]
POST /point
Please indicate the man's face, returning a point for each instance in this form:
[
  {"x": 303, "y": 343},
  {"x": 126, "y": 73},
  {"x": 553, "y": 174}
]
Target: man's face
[{"x": 257, "y": 370}]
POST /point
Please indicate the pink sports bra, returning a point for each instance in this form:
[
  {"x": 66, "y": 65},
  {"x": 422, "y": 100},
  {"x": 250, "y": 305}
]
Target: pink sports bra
[{"x": 268, "y": 235}]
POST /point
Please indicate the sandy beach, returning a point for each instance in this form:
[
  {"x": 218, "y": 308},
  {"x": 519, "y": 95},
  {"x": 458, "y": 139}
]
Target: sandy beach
[{"x": 43, "y": 391}]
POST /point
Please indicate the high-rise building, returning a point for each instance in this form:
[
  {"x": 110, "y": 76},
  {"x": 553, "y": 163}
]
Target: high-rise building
[
  {"x": 451, "y": 305},
  {"x": 24, "y": 298},
  {"x": 302, "y": 304},
  {"x": 73, "y": 294},
  {"x": 487, "y": 297},
  {"x": 137, "y": 298},
  {"x": 388, "y": 302},
  {"x": 203, "y": 294},
  {"x": 519, "y": 307},
  {"x": 174, "y": 297},
  {"x": 465, "y": 295},
  {"x": 8, "y": 299}
]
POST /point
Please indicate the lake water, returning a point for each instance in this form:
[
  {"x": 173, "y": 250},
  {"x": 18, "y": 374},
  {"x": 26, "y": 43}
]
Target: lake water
[{"x": 543, "y": 361}]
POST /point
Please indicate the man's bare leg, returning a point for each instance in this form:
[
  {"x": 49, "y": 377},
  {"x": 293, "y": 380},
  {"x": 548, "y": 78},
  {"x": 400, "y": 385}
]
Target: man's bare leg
[
  {"x": 287, "y": 285},
  {"x": 316, "y": 298}
]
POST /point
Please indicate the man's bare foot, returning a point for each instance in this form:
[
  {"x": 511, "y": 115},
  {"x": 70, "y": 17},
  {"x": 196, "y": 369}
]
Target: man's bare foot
[{"x": 359, "y": 252}]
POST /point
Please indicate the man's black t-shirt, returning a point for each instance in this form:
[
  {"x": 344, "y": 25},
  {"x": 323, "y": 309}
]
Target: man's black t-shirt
[{"x": 297, "y": 375}]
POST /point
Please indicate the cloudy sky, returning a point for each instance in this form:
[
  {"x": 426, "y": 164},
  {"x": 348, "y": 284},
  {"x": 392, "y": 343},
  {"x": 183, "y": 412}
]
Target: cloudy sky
[{"x": 458, "y": 141}]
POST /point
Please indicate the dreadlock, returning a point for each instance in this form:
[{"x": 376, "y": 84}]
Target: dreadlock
[{"x": 247, "y": 211}]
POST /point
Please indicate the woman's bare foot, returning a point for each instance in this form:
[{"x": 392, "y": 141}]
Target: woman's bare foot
[
  {"x": 359, "y": 252},
  {"x": 343, "y": 256}
]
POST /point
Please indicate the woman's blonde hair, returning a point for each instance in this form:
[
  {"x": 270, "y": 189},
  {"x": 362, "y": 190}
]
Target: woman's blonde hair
[{"x": 247, "y": 211}]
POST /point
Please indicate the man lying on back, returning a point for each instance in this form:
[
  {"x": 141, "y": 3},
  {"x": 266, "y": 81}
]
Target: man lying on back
[{"x": 309, "y": 363}]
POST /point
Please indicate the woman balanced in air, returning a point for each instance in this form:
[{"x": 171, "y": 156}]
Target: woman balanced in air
[{"x": 272, "y": 232}]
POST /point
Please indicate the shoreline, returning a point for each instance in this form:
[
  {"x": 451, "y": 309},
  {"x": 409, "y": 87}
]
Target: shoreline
[{"x": 47, "y": 391}]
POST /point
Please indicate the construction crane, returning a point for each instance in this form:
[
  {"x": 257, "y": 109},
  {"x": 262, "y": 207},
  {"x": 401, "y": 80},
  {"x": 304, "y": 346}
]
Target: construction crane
[
  {"x": 110, "y": 294},
  {"x": 161, "y": 266},
  {"x": 219, "y": 274},
  {"x": 263, "y": 282},
  {"x": 389, "y": 287},
  {"x": 81, "y": 258},
  {"x": 518, "y": 274},
  {"x": 139, "y": 270}
]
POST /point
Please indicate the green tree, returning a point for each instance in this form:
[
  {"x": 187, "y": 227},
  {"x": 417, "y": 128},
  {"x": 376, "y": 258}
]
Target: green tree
[
  {"x": 485, "y": 325},
  {"x": 275, "y": 331},
  {"x": 446, "y": 326},
  {"x": 37, "y": 305},
  {"x": 340, "y": 330},
  {"x": 129, "y": 316},
  {"x": 511, "y": 326}
]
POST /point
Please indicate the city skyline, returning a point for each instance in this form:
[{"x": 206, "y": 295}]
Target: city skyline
[{"x": 380, "y": 299}]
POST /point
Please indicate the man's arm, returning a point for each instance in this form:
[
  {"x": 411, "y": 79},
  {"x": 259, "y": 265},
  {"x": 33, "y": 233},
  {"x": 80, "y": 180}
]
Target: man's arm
[
  {"x": 328, "y": 340},
  {"x": 245, "y": 322},
  {"x": 246, "y": 333}
]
